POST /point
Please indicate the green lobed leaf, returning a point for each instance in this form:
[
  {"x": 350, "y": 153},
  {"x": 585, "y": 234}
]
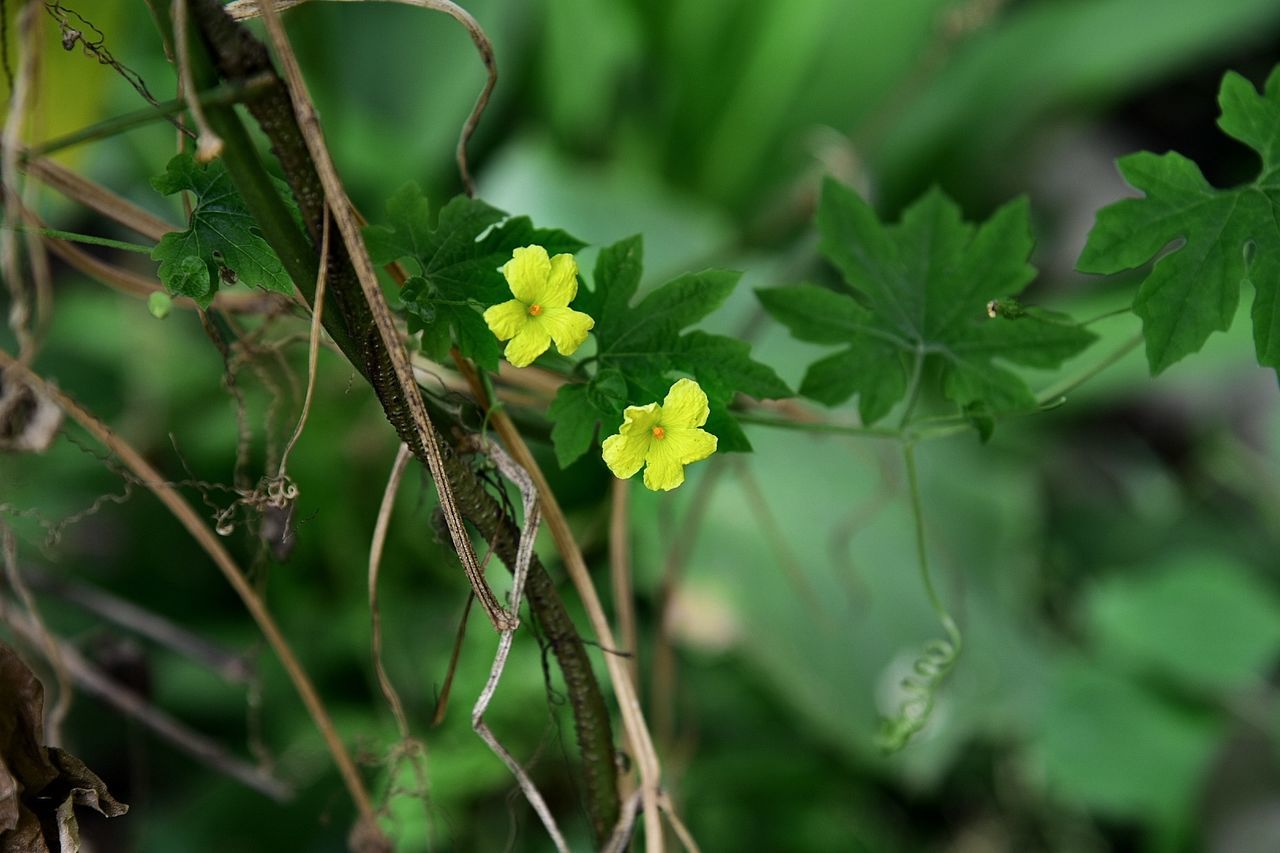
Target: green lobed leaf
[
  {"x": 459, "y": 259},
  {"x": 646, "y": 345},
  {"x": 437, "y": 339},
  {"x": 409, "y": 235},
  {"x": 221, "y": 237},
  {"x": 724, "y": 366},
  {"x": 617, "y": 278},
  {"x": 189, "y": 276},
  {"x": 574, "y": 420},
  {"x": 919, "y": 289},
  {"x": 460, "y": 255},
  {"x": 607, "y": 390},
  {"x": 656, "y": 321},
  {"x": 1226, "y": 236},
  {"x": 474, "y": 338},
  {"x": 444, "y": 324}
]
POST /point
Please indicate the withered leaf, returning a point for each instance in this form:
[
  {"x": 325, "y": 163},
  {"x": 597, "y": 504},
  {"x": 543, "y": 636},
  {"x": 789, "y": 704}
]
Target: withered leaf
[{"x": 39, "y": 785}]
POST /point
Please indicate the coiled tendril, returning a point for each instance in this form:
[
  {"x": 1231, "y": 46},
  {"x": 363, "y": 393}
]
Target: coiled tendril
[
  {"x": 936, "y": 660},
  {"x": 928, "y": 672}
]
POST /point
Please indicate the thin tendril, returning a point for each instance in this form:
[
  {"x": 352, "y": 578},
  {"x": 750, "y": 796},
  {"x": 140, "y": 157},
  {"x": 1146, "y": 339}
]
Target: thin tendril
[
  {"x": 93, "y": 42},
  {"x": 938, "y": 657}
]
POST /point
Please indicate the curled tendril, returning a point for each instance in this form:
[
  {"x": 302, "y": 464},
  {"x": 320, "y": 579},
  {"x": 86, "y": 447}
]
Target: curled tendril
[
  {"x": 928, "y": 672},
  {"x": 77, "y": 29}
]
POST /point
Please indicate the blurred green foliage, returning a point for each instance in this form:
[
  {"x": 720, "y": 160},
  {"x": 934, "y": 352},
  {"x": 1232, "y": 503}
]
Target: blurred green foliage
[{"x": 1112, "y": 563}]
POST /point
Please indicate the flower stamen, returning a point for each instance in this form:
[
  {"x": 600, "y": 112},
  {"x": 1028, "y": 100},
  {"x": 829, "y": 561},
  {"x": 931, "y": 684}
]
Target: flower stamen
[
  {"x": 659, "y": 433},
  {"x": 535, "y": 309}
]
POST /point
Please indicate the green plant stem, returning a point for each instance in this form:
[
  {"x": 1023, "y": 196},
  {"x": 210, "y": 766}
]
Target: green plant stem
[
  {"x": 922, "y": 553},
  {"x": 820, "y": 426},
  {"x": 1070, "y": 384},
  {"x": 1105, "y": 315},
  {"x": 938, "y": 657},
  {"x": 928, "y": 429},
  {"x": 913, "y": 387},
  {"x": 73, "y": 237},
  {"x": 222, "y": 94}
]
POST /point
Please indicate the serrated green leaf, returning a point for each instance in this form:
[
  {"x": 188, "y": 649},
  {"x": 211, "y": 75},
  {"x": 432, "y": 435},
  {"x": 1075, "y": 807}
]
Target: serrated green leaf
[
  {"x": 919, "y": 289},
  {"x": 221, "y": 234},
  {"x": 617, "y": 277},
  {"x": 724, "y": 366},
  {"x": 437, "y": 339},
  {"x": 409, "y": 234},
  {"x": 1229, "y": 236},
  {"x": 648, "y": 345},
  {"x": 657, "y": 320},
  {"x": 728, "y": 432},
  {"x": 190, "y": 277},
  {"x": 460, "y": 255},
  {"x": 836, "y": 378},
  {"x": 607, "y": 391},
  {"x": 443, "y": 323},
  {"x": 818, "y": 315},
  {"x": 573, "y": 423},
  {"x": 474, "y": 338}
]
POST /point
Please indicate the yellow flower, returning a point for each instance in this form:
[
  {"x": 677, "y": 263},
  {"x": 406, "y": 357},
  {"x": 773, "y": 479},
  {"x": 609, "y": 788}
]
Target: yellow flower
[
  {"x": 665, "y": 437},
  {"x": 543, "y": 288}
]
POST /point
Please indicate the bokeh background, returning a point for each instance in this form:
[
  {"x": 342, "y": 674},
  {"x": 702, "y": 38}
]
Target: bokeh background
[{"x": 1113, "y": 564}]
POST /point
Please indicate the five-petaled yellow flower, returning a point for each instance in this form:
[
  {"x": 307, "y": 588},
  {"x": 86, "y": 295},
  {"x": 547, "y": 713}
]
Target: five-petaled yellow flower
[
  {"x": 543, "y": 288},
  {"x": 665, "y": 437}
]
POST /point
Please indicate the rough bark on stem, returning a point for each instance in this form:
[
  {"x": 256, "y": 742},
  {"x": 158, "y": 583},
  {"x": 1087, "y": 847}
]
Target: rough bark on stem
[{"x": 239, "y": 56}]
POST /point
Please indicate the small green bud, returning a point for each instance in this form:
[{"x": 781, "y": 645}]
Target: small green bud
[{"x": 159, "y": 304}]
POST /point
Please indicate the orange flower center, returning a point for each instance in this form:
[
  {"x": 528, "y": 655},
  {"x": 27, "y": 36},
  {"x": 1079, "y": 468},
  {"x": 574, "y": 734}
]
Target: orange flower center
[
  {"x": 659, "y": 433},
  {"x": 535, "y": 309}
]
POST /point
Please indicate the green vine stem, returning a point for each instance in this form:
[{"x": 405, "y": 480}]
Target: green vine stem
[
  {"x": 227, "y": 93},
  {"x": 1071, "y": 383},
  {"x": 938, "y": 657},
  {"x": 944, "y": 426},
  {"x": 240, "y": 57},
  {"x": 89, "y": 239},
  {"x": 819, "y": 426}
]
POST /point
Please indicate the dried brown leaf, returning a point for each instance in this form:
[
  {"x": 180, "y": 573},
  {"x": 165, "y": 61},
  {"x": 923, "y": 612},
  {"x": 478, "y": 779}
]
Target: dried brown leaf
[
  {"x": 21, "y": 729},
  {"x": 25, "y": 837},
  {"x": 39, "y": 786},
  {"x": 28, "y": 421},
  {"x": 86, "y": 788}
]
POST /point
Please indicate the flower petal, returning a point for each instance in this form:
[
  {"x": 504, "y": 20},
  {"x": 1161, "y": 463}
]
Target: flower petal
[
  {"x": 640, "y": 420},
  {"x": 568, "y": 328},
  {"x": 685, "y": 406},
  {"x": 689, "y": 445},
  {"x": 562, "y": 283},
  {"x": 506, "y": 319},
  {"x": 526, "y": 273},
  {"x": 624, "y": 453},
  {"x": 531, "y": 342},
  {"x": 665, "y": 471}
]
